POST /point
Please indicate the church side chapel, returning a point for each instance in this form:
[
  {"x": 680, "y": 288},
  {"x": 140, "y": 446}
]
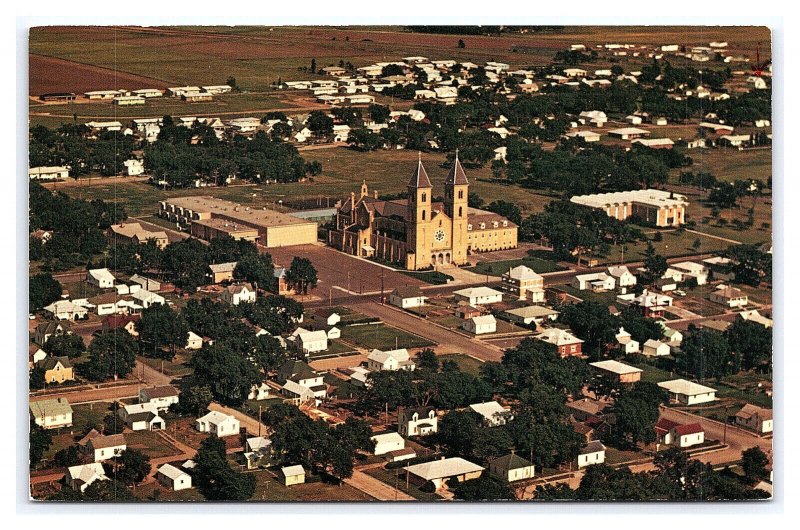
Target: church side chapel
[{"x": 417, "y": 233}]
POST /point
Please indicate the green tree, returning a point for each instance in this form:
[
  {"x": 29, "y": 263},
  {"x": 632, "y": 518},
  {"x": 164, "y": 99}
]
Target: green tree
[
  {"x": 43, "y": 289},
  {"x": 301, "y": 275},
  {"x": 216, "y": 480},
  {"x": 257, "y": 269},
  {"x": 228, "y": 374},
  {"x": 162, "y": 331},
  {"x": 636, "y": 410},
  {"x": 751, "y": 342},
  {"x": 134, "y": 466},
  {"x": 65, "y": 345},
  {"x": 461, "y": 43},
  {"x": 112, "y": 424},
  {"x": 187, "y": 261},
  {"x": 111, "y": 354},
  {"x": 655, "y": 263},
  {"x": 484, "y": 488},
  {"x": 195, "y": 399},
  {"x": 705, "y": 353},
  {"x": 320, "y": 123},
  {"x": 36, "y": 377},
  {"x": 67, "y": 457},
  {"x": 755, "y": 464},
  {"x": 39, "y": 440}
]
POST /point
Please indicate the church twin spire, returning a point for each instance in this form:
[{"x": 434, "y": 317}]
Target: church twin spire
[{"x": 456, "y": 176}]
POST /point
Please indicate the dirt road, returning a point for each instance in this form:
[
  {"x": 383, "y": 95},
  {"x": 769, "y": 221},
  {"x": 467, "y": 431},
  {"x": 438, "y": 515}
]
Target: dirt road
[{"x": 375, "y": 488}]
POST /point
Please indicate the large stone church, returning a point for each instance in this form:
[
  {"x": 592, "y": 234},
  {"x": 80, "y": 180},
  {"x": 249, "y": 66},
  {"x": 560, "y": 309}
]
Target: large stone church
[{"x": 418, "y": 233}]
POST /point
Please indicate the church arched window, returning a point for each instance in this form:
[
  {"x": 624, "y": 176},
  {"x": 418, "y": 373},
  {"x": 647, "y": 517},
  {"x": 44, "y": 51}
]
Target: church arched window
[
  {"x": 460, "y": 211},
  {"x": 460, "y": 194},
  {"x": 424, "y": 197},
  {"x": 423, "y": 215}
]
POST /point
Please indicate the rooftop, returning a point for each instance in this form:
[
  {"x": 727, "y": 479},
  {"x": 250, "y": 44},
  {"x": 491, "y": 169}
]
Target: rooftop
[
  {"x": 616, "y": 367},
  {"x": 682, "y": 386},
  {"x": 221, "y": 207},
  {"x": 444, "y": 468},
  {"x": 650, "y": 197}
]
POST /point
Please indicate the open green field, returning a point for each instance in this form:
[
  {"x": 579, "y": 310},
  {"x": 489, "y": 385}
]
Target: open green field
[
  {"x": 672, "y": 244},
  {"x": 382, "y": 337},
  {"x": 230, "y": 105},
  {"x": 466, "y": 364},
  {"x": 498, "y": 268},
  {"x": 270, "y": 488},
  {"x": 731, "y": 164},
  {"x": 150, "y": 443}
]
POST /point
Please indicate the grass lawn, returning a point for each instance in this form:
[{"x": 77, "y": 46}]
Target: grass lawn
[
  {"x": 87, "y": 416},
  {"x": 497, "y": 268},
  {"x": 251, "y": 406},
  {"x": 432, "y": 277},
  {"x": 335, "y": 347},
  {"x": 607, "y": 298},
  {"x": 174, "y": 368},
  {"x": 150, "y": 443},
  {"x": 672, "y": 244},
  {"x": 146, "y": 493},
  {"x": 382, "y": 337},
  {"x": 650, "y": 373},
  {"x": 466, "y": 364},
  {"x": 617, "y": 456},
  {"x": 731, "y": 164},
  {"x": 269, "y": 488}
]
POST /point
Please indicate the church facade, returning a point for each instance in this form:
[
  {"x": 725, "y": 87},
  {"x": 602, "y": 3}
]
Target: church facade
[{"x": 417, "y": 233}]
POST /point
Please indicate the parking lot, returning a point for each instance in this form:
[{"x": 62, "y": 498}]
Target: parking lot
[{"x": 338, "y": 272}]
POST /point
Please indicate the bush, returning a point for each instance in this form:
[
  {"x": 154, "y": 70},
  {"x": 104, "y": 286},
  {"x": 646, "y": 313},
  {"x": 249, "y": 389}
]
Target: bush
[{"x": 428, "y": 487}]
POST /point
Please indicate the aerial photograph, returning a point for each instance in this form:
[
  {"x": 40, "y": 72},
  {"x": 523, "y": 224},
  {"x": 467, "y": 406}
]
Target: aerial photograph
[{"x": 303, "y": 264}]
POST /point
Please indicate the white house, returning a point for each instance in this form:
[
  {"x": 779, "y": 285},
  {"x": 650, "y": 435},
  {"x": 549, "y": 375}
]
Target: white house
[
  {"x": 593, "y": 453},
  {"x": 48, "y": 173},
  {"x": 81, "y": 477},
  {"x": 440, "y": 471},
  {"x": 597, "y": 282},
  {"x": 51, "y": 413},
  {"x": 622, "y": 275},
  {"x": 511, "y": 468},
  {"x": 147, "y": 298},
  {"x": 387, "y": 442},
  {"x": 754, "y": 316},
  {"x": 141, "y": 417},
  {"x": 301, "y": 382},
  {"x": 309, "y": 341},
  {"x": 389, "y": 360},
  {"x": 293, "y": 475},
  {"x": 478, "y": 296},
  {"x": 66, "y": 310},
  {"x": 492, "y": 412},
  {"x": 673, "y": 336},
  {"x": 680, "y": 435},
  {"x": 625, "y": 340},
  {"x": 655, "y": 348},
  {"x": 480, "y": 325},
  {"x": 687, "y": 392},
  {"x": 406, "y": 297},
  {"x": 729, "y": 296},
  {"x": 101, "y": 278},
  {"x": 587, "y": 136},
  {"x": 259, "y": 392},
  {"x": 236, "y": 294},
  {"x": 218, "y": 423},
  {"x": 194, "y": 341},
  {"x": 106, "y": 447},
  {"x": 325, "y": 318},
  {"x": 755, "y": 418},
  {"x": 531, "y": 314},
  {"x": 173, "y": 478},
  {"x": 133, "y": 167},
  {"x": 417, "y": 422},
  {"x": 162, "y": 397}
]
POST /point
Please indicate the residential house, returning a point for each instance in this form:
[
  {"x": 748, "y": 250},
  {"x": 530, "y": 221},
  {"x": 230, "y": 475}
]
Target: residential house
[
  {"x": 478, "y": 296},
  {"x": 147, "y": 298},
  {"x": 439, "y": 472},
  {"x": 387, "y": 442},
  {"x": 729, "y": 296},
  {"x": 622, "y": 275},
  {"x": 466, "y": 311},
  {"x": 67, "y": 310},
  {"x": 126, "y": 322},
  {"x": 533, "y": 314},
  {"x": 106, "y": 447},
  {"x": 135, "y": 233},
  {"x": 173, "y": 478},
  {"x": 390, "y": 360},
  {"x": 101, "y": 278},
  {"x": 81, "y": 477},
  {"x": 492, "y": 413},
  {"x": 406, "y": 297},
  {"x": 480, "y": 325},
  {"x": 688, "y": 393},
  {"x": 162, "y": 397},
  {"x": 259, "y": 392},
  {"x": 141, "y": 417},
  {"x": 593, "y": 453},
  {"x": 565, "y": 342},
  {"x": 326, "y": 317},
  {"x": 586, "y": 136},
  {"x": 283, "y": 283},
  {"x": 597, "y": 282},
  {"x": 655, "y": 348},
  {"x": 669, "y": 432},
  {"x": 625, "y": 340},
  {"x": 193, "y": 341},
  {"x": 755, "y": 418},
  {"x": 48, "y": 173},
  {"x": 51, "y": 413},
  {"x": 301, "y": 382},
  {"x": 236, "y": 294},
  {"x": 525, "y": 283},
  {"x": 293, "y": 475},
  {"x": 222, "y": 272},
  {"x": 754, "y": 316},
  {"x": 651, "y": 304},
  {"x": 511, "y": 468},
  {"x": 57, "y": 369},
  {"x": 148, "y": 284},
  {"x": 417, "y": 421},
  {"x": 45, "y": 330},
  {"x": 217, "y": 423},
  {"x": 309, "y": 341},
  {"x": 35, "y": 354},
  {"x": 617, "y": 371}
]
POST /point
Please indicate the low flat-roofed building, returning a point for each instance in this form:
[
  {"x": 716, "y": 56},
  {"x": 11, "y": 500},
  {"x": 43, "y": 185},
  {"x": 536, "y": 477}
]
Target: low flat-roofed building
[
  {"x": 268, "y": 227},
  {"x": 126, "y": 101},
  {"x": 729, "y": 296},
  {"x": 48, "y": 172},
  {"x": 478, "y": 295},
  {"x": 531, "y": 314},
  {"x": 628, "y": 133},
  {"x": 659, "y": 207},
  {"x": 439, "y": 471},
  {"x": 617, "y": 371},
  {"x": 687, "y": 392},
  {"x": 655, "y": 143}
]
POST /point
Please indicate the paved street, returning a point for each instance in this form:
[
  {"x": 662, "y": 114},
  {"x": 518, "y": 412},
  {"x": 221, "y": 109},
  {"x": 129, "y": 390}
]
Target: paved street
[{"x": 449, "y": 341}]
